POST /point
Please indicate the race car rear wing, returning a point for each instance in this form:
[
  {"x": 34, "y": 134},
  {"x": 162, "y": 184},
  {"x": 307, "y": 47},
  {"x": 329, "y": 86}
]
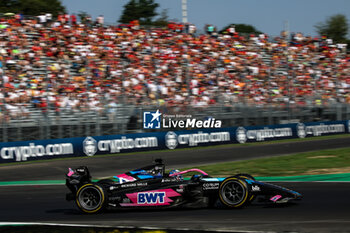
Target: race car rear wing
[{"x": 75, "y": 178}]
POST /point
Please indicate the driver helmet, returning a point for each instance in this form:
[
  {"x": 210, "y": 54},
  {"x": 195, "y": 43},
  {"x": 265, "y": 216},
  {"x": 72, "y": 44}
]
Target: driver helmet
[{"x": 178, "y": 177}]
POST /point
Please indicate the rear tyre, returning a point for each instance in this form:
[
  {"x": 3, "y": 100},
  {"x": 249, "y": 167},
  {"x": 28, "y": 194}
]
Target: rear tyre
[
  {"x": 234, "y": 192},
  {"x": 90, "y": 198}
]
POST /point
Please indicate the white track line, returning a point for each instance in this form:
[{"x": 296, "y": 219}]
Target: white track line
[{"x": 123, "y": 227}]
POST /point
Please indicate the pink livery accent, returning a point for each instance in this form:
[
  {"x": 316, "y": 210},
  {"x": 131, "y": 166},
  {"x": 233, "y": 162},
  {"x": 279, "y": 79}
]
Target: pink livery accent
[
  {"x": 70, "y": 173},
  {"x": 123, "y": 178},
  {"x": 159, "y": 197},
  {"x": 190, "y": 170},
  {"x": 275, "y": 198}
]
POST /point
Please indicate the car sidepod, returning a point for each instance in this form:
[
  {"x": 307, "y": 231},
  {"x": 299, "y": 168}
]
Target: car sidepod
[{"x": 147, "y": 193}]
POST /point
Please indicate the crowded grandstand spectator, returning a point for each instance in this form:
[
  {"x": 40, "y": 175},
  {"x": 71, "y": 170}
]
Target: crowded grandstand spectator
[{"x": 65, "y": 65}]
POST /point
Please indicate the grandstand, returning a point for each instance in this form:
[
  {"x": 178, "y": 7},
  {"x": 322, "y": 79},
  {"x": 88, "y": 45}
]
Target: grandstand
[{"x": 62, "y": 80}]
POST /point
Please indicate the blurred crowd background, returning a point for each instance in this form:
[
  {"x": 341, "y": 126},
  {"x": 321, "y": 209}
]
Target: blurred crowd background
[{"x": 55, "y": 67}]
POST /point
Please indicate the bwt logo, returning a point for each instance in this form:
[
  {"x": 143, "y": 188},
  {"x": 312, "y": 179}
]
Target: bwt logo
[
  {"x": 151, "y": 120},
  {"x": 150, "y": 198}
]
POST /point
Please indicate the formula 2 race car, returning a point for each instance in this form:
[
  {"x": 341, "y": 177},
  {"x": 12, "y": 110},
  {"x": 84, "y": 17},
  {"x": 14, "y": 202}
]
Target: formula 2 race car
[{"x": 151, "y": 186}]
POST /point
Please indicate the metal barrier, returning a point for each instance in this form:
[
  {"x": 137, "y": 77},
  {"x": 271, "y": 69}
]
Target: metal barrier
[
  {"x": 128, "y": 119},
  {"x": 165, "y": 139}
]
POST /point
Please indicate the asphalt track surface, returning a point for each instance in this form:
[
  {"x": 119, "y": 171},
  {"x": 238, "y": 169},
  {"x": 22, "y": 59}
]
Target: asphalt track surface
[{"x": 324, "y": 208}]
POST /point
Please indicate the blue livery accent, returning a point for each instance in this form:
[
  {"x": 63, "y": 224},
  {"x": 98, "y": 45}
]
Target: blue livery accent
[
  {"x": 142, "y": 177},
  {"x": 250, "y": 181},
  {"x": 138, "y": 172},
  {"x": 214, "y": 179}
]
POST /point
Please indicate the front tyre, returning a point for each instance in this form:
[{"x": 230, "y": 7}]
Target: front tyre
[
  {"x": 90, "y": 198},
  {"x": 245, "y": 176},
  {"x": 234, "y": 192},
  {"x": 249, "y": 177}
]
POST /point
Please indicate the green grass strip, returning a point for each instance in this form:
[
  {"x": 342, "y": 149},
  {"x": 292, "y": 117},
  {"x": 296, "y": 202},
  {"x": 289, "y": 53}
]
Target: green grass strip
[
  {"x": 307, "y": 163},
  {"x": 343, "y": 177}
]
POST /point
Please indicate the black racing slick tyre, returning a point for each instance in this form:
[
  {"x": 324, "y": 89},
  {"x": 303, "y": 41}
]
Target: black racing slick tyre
[
  {"x": 250, "y": 177},
  {"x": 244, "y": 175},
  {"x": 234, "y": 192},
  {"x": 90, "y": 198}
]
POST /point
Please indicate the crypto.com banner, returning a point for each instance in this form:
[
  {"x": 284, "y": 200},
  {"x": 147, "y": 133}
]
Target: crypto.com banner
[{"x": 90, "y": 146}]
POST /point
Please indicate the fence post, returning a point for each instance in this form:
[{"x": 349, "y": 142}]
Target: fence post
[
  {"x": 59, "y": 127},
  {"x": 4, "y": 132},
  {"x": 269, "y": 116},
  {"x": 245, "y": 116},
  {"x": 41, "y": 130},
  {"x": 19, "y": 132},
  {"x": 338, "y": 111},
  {"x": 98, "y": 124},
  {"x": 87, "y": 128}
]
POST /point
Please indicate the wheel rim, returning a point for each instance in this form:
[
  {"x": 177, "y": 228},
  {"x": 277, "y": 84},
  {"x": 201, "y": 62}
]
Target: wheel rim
[
  {"x": 233, "y": 192},
  {"x": 90, "y": 198}
]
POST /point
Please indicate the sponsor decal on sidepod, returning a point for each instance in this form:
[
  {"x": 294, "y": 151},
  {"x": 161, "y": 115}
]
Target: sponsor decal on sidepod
[
  {"x": 151, "y": 198},
  {"x": 209, "y": 186}
]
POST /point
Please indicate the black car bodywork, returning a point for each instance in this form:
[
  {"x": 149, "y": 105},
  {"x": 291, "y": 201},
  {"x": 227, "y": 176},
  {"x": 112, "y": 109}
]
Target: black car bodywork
[{"x": 150, "y": 186}]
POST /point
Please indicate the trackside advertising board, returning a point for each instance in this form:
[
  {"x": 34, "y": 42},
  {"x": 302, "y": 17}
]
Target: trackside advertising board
[{"x": 111, "y": 144}]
